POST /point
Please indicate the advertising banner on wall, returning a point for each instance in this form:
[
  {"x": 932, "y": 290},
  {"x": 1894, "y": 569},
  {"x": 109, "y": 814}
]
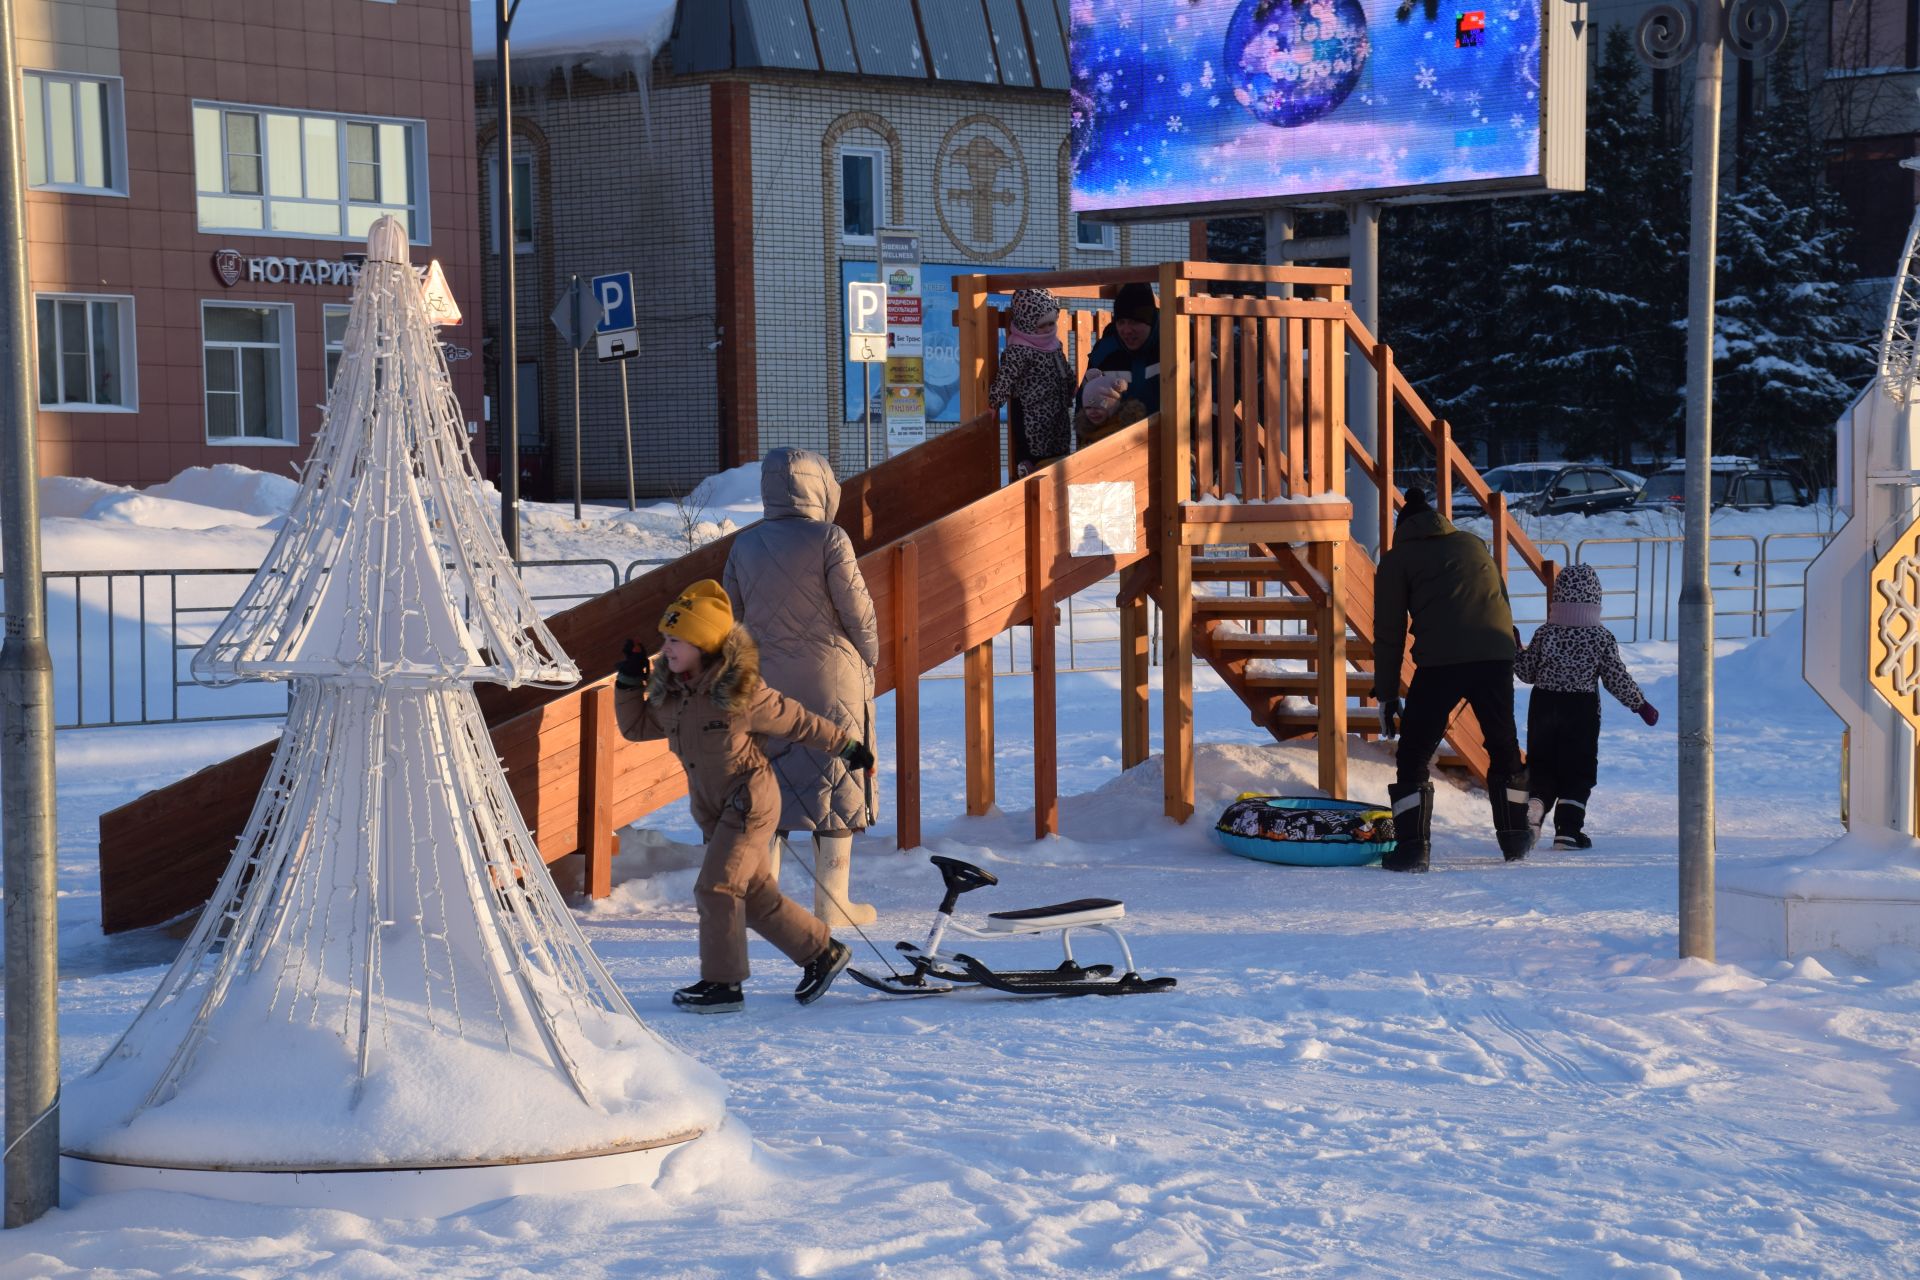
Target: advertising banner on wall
[
  {"x": 939, "y": 340},
  {"x": 906, "y": 403},
  {"x": 1215, "y": 105}
]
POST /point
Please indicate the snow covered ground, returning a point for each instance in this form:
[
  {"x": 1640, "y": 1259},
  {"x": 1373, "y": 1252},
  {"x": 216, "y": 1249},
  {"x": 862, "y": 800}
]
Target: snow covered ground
[{"x": 1491, "y": 1070}]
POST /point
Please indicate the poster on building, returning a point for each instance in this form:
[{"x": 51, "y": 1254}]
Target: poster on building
[
  {"x": 906, "y": 403},
  {"x": 939, "y": 340}
]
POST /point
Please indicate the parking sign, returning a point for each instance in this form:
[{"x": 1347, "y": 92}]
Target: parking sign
[{"x": 616, "y": 327}]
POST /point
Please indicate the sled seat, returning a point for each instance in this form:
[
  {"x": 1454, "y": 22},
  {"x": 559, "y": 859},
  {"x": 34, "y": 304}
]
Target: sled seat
[{"x": 1060, "y": 915}]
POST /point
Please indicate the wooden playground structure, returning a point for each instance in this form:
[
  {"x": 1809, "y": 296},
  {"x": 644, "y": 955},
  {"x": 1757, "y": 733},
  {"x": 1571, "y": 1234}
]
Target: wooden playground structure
[{"x": 1242, "y": 536}]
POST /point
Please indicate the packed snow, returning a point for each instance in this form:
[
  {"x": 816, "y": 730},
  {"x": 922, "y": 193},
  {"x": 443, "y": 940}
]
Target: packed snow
[{"x": 1490, "y": 1070}]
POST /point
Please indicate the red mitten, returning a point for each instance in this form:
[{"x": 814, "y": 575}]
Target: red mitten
[{"x": 1649, "y": 713}]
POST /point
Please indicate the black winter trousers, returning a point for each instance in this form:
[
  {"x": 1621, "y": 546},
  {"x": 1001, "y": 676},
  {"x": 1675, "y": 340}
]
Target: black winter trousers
[
  {"x": 1487, "y": 687},
  {"x": 1563, "y": 750}
]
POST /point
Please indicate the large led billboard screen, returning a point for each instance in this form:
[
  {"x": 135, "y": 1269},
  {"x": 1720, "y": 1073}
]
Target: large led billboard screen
[{"x": 1201, "y": 106}]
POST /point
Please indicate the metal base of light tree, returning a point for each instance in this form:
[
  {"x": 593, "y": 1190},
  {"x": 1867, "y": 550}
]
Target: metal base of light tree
[{"x": 1855, "y": 895}]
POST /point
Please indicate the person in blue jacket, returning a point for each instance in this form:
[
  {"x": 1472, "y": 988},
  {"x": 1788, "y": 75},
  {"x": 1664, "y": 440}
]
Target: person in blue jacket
[{"x": 1122, "y": 384}]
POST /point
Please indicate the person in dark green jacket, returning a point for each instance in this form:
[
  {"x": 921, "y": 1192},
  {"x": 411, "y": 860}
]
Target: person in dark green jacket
[{"x": 1463, "y": 650}]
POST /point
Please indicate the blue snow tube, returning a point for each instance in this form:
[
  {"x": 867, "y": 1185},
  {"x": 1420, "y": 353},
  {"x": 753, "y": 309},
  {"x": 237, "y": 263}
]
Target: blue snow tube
[{"x": 1306, "y": 831}]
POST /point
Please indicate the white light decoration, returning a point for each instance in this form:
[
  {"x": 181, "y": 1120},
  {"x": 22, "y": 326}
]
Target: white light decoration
[{"x": 386, "y": 980}]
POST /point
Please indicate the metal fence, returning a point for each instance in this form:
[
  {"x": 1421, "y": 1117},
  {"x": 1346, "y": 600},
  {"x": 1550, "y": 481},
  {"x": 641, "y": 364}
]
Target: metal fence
[{"x": 123, "y": 640}]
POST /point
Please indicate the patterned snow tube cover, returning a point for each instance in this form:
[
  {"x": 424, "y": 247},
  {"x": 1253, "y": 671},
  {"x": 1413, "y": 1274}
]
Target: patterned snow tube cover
[{"x": 1306, "y": 831}]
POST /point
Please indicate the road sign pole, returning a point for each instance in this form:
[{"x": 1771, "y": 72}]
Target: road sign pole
[
  {"x": 626, "y": 410},
  {"x": 574, "y": 291},
  {"x": 866, "y": 406}
]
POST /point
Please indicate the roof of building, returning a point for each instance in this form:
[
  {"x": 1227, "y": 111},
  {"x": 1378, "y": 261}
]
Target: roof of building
[{"x": 1019, "y": 43}]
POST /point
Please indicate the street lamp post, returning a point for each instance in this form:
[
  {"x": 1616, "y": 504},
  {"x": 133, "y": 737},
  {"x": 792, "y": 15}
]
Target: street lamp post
[
  {"x": 508, "y": 382},
  {"x": 1667, "y": 34}
]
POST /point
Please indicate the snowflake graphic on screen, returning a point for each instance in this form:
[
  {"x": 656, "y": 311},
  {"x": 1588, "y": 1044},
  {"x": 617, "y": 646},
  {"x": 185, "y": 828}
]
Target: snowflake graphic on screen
[{"x": 1424, "y": 77}]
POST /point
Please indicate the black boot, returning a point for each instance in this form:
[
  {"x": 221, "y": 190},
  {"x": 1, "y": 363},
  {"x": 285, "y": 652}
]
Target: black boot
[
  {"x": 1569, "y": 826},
  {"x": 1412, "y": 827},
  {"x": 710, "y": 997},
  {"x": 820, "y": 971},
  {"x": 1508, "y": 797}
]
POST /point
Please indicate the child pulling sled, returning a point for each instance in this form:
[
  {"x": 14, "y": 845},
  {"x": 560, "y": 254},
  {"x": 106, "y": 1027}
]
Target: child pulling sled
[{"x": 706, "y": 698}]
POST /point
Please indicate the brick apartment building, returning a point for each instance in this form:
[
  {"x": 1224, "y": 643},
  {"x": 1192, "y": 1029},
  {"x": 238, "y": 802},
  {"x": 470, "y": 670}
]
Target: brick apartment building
[
  {"x": 198, "y": 172},
  {"x": 742, "y": 184}
]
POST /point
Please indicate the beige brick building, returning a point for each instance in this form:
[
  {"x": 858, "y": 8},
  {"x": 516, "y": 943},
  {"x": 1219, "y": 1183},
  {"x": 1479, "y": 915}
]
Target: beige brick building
[{"x": 743, "y": 185}]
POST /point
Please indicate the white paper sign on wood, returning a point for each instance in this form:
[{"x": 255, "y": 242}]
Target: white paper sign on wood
[{"x": 1101, "y": 518}]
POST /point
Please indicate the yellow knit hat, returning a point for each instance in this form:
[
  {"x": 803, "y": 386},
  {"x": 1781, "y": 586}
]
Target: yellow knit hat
[{"x": 702, "y": 616}]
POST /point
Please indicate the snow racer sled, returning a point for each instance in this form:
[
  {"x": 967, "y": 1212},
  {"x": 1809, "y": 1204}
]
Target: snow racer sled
[{"x": 935, "y": 974}]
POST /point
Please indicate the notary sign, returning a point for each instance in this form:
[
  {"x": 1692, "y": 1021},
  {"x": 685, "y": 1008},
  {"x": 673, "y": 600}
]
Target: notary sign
[{"x": 866, "y": 322}]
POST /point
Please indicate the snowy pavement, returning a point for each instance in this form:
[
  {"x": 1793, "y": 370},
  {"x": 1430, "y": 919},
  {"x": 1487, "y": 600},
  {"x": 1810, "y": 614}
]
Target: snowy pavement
[{"x": 1486, "y": 1071}]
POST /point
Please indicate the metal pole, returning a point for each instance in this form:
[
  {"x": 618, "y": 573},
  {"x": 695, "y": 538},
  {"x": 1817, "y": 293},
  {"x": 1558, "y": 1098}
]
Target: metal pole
[
  {"x": 509, "y": 379},
  {"x": 1695, "y": 783},
  {"x": 26, "y": 728},
  {"x": 573, "y": 294},
  {"x": 626, "y": 411},
  {"x": 1363, "y": 236},
  {"x": 866, "y": 406}
]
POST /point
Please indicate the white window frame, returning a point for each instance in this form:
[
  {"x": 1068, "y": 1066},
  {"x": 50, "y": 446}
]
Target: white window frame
[
  {"x": 1108, "y": 242},
  {"x": 129, "y": 355},
  {"x": 881, "y": 190},
  {"x": 289, "y": 398},
  {"x": 33, "y": 80},
  {"x": 328, "y": 347},
  {"x": 493, "y": 203},
  {"x": 420, "y": 223}
]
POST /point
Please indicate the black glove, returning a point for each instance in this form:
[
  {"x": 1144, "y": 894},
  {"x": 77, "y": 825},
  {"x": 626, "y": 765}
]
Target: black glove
[
  {"x": 1390, "y": 717},
  {"x": 632, "y": 671},
  {"x": 857, "y": 754}
]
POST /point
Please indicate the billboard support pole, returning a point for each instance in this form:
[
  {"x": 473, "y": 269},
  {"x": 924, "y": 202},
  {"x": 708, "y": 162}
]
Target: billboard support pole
[
  {"x": 1279, "y": 235},
  {"x": 1363, "y": 259}
]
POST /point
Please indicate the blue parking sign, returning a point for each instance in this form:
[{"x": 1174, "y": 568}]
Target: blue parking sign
[{"x": 614, "y": 293}]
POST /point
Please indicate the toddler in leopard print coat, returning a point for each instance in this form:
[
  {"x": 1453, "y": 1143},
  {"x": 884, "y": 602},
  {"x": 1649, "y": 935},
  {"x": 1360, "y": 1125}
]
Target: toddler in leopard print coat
[
  {"x": 1034, "y": 376},
  {"x": 1570, "y": 656}
]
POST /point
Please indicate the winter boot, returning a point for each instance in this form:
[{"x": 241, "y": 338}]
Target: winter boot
[
  {"x": 773, "y": 856},
  {"x": 832, "y": 865},
  {"x": 1508, "y": 798},
  {"x": 1536, "y": 819},
  {"x": 710, "y": 997},
  {"x": 819, "y": 972},
  {"x": 1569, "y": 826},
  {"x": 1412, "y": 827}
]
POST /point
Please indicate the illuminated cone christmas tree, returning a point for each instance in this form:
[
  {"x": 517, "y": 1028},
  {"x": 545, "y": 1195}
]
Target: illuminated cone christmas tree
[{"x": 386, "y": 977}]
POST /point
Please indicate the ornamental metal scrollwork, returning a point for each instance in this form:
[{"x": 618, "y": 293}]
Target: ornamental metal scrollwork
[
  {"x": 1755, "y": 28},
  {"x": 1666, "y": 34},
  {"x": 1898, "y": 627}
]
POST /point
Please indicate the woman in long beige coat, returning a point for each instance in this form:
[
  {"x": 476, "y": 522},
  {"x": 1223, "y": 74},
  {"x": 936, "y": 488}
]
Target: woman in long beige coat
[{"x": 795, "y": 581}]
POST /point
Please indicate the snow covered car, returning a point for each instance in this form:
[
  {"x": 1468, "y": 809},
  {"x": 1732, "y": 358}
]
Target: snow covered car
[{"x": 1553, "y": 489}]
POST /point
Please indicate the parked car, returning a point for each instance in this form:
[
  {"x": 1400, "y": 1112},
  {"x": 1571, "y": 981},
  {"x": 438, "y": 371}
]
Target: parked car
[
  {"x": 1736, "y": 482},
  {"x": 1553, "y": 489}
]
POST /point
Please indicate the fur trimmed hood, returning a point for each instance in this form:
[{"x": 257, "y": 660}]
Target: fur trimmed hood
[{"x": 730, "y": 679}]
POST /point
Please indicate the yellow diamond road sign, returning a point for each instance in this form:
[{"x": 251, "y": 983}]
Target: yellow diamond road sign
[{"x": 1894, "y": 633}]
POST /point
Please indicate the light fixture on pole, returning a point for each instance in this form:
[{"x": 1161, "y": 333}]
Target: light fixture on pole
[{"x": 1666, "y": 35}]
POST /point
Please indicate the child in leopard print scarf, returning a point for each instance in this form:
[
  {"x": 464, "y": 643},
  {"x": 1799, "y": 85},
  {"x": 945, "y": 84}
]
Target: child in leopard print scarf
[{"x": 1035, "y": 378}]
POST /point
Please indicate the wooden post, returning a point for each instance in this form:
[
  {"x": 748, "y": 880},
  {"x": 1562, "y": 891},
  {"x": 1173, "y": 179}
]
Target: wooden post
[
  {"x": 599, "y": 740},
  {"x": 973, "y": 325},
  {"x": 1443, "y": 478},
  {"x": 1296, "y": 411},
  {"x": 1383, "y": 414},
  {"x": 1203, "y": 407},
  {"x": 906, "y": 695},
  {"x": 1330, "y": 560},
  {"x": 1134, "y": 677},
  {"x": 977, "y": 667},
  {"x": 1046, "y": 738},
  {"x": 1497, "y": 508},
  {"x": 1550, "y": 574},
  {"x": 1176, "y": 564}
]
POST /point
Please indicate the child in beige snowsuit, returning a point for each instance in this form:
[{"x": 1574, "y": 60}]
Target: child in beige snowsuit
[{"x": 705, "y": 697}]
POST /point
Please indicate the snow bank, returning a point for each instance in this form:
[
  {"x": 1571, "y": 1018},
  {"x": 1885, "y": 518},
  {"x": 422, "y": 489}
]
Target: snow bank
[
  {"x": 234, "y": 488},
  {"x": 149, "y": 512},
  {"x": 71, "y": 497},
  {"x": 734, "y": 490}
]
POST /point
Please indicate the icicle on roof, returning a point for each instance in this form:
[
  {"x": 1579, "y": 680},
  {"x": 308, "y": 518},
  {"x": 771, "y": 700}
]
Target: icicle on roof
[{"x": 389, "y": 567}]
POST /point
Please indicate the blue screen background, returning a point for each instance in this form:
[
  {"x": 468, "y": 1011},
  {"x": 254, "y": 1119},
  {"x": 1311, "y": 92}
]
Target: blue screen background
[{"x": 1200, "y": 101}]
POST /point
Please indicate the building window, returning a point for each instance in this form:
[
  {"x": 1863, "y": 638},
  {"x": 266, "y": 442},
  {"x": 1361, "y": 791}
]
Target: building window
[
  {"x": 863, "y": 192},
  {"x": 301, "y": 174},
  {"x": 86, "y": 352},
  {"x": 1096, "y": 236},
  {"x": 522, "y": 204},
  {"x": 335, "y": 322},
  {"x": 248, "y": 352},
  {"x": 76, "y": 133}
]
